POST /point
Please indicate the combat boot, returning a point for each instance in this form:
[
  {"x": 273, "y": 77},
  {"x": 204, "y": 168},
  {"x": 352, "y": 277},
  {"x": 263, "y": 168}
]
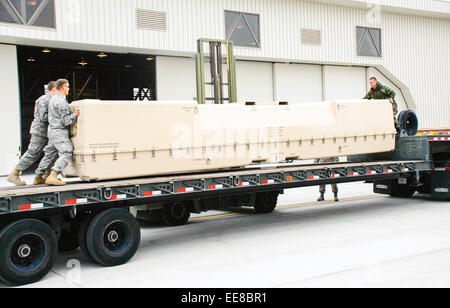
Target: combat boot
[
  {"x": 46, "y": 174},
  {"x": 15, "y": 179},
  {"x": 39, "y": 179},
  {"x": 322, "y": 197},
  {"x": 336, "y": 198},
  {"x": 53, "y": 179}
]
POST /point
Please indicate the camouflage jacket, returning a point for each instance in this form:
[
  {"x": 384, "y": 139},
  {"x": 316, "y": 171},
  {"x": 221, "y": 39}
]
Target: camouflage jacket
[
  {"x": 59, "y": 115},
  {"x": 383, "y": 92},
  {"x": 40, "y": 122}
]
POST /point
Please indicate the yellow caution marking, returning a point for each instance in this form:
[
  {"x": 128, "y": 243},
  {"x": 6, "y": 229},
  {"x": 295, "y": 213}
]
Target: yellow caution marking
[
  {"x": 214, "y": 216},
  {"x": 293, "y": 206}
]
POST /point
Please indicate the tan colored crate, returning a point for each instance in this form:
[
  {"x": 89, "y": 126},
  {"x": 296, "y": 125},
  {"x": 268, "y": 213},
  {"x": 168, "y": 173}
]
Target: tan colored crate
[{"x": 121, "y": 139}]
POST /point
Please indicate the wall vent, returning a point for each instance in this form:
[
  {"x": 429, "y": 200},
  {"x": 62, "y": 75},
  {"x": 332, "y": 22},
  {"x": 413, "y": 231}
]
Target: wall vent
[
  {"x": 151, "y": 20},
  {"x": 311, "y": 37}
]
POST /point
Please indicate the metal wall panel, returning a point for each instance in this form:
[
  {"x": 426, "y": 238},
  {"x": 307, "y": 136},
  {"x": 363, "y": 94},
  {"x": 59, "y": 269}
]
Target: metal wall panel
[{"x": 416, "y": 49}]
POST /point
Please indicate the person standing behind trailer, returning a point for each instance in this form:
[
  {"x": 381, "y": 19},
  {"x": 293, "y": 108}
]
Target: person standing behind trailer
[
  {"x": 334, "y": 187},
  {"x": 60, "y": 119},
  {"x": 379, "y": 91},
  {"x": 39, "y": 140}
]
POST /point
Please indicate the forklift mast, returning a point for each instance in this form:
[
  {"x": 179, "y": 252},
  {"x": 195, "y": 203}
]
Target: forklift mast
[{"x": 215, "y": 56}]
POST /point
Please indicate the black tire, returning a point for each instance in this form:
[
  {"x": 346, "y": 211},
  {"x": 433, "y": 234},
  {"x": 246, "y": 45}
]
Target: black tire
[
  {"x": 113, "y": 237},
  {"x": 82, "y": 235},
  {"x": 68, "y": 240},
  {"x": 424, "y": 190},
  {"x": 28, "y": 250},
  {"x": 175, "y": 214},
  {"x": 408, "y": 122},
  {"x": 266, "y": 202},
  {"x": 246, "y": 200},
  {"x": 402, "y": 191}
]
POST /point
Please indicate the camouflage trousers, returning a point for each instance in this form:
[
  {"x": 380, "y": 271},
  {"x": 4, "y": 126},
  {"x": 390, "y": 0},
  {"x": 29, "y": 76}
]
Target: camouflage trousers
[
  {"x": 33, "y": 153},
  {"x": 323, "y": 188},
  {"x": 60, "y": 146}
]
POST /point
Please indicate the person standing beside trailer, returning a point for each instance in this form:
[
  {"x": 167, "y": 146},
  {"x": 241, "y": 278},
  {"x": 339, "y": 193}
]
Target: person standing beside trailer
[
  {"x": 334, "y": 187},
  {"x": 60, "y": 119},
  {"x": 39, "y": 140}
]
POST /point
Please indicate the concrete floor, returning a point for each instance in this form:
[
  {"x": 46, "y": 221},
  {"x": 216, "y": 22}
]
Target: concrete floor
[{"x": 366, "y": 240}]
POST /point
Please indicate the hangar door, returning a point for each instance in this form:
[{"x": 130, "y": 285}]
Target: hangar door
[
  {"x": 298, "y": 83},
  {"x": 176, "y": 80},
  {"x": 342, "y": 82},
  {"x": 254, "y": 81},
  {"x": 10, "y": 106}
]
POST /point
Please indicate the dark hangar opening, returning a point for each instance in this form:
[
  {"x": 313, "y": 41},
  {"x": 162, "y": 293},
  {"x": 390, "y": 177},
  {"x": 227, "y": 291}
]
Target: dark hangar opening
[{"x": 92, "y": 75}]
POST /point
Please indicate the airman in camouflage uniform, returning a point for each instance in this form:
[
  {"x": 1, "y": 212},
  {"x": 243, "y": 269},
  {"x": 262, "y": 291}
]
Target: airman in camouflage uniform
[
  {"x": 322, "y": 189},
  {"x": 379, "y": 91},
  {"x": 38, "y": 140},
  {"x": 60, "y": 118}
]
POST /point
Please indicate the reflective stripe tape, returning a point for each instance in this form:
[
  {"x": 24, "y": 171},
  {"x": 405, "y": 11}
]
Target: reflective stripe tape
[
  {"x": 405, "y": 169},
  {"x": 30, "y": 206},
  {"x": 118, "y": 197},
  {"x": 335, "y": 175},
  {"x": 268, "y": 182},
  {"x": 441, "y": 169},
  {"x": 76, "y": 201},
  {"x": 371, "y": 172},
  {"x": 315, "y": 177},
  {"x": 152, "y": 193},
  {"x": 220, "y": 186},
  {"x": 243, "y": 184},
  {"x": 185, "y": 189},
  {"x": 353, "y": 174},
  {"x": 440, "y": 139},
  {"x": 388, "y": 171}
]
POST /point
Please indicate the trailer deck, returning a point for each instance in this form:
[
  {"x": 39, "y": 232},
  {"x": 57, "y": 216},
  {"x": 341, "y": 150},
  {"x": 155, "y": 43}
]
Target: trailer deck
[{"x": 162, "y": 189}]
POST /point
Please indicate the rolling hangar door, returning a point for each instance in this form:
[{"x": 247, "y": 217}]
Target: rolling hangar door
[
  {"x": 92, "y": 75},
  {"x": 298, "y": 83},
  {"x": 10, "y": 109},
  {"x": 176, "y": 80},
  {"x": 342, "y": 82},
  {"x": 266, "y": 81}
]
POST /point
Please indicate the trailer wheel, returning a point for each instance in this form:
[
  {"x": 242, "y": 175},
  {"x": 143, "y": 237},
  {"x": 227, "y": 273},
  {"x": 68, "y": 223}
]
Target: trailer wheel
[
  {"x": 266, "y": 202},
  {"x": 402, "y": 191},
  {"x": 246, "y": 200},
  {"x": 69, "y": 240},
  {"x": 113, "y": 237},
  {"x": 175, "y": 214},
  {"x": 28, "y": 249}
]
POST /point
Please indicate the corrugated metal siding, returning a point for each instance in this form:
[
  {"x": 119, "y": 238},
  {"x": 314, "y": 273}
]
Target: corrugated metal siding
[{"x": 415, "y": 49}]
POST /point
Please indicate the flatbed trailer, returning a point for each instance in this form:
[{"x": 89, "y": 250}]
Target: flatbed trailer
[{"x": 37, "y": 221}]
